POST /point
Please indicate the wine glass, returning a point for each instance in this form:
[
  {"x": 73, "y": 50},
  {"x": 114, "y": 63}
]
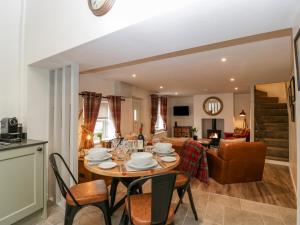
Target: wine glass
[{"x": 155, "y": 141}]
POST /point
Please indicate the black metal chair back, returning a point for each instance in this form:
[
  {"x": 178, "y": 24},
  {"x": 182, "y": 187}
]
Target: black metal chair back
[
  {"x": 64, "y": 189},
  {"x": 162, "y": 192}
]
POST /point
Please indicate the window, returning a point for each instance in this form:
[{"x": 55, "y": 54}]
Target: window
[
  {"x": 104, "y": 126},
  {"x": 159, "y": 122},
  {"x": 136, "y": 105}
]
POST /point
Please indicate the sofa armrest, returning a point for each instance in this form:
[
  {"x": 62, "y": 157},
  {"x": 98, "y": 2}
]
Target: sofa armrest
[
  {"x": 228, "y": 135},
  {"x": 216, "y": 166}
]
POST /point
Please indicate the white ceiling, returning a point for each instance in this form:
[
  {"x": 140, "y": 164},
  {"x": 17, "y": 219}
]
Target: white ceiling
[
  {"x": 197, "y": 24},
  {"x": 258, "y": 62}
]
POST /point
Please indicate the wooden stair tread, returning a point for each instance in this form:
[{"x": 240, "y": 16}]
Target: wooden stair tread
[
  {"x": 272, "y": 122},
  {"x": 260, "y": 93}
]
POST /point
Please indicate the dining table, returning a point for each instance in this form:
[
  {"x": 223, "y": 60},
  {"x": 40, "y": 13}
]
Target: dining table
[{"x": 124, "y": 174}]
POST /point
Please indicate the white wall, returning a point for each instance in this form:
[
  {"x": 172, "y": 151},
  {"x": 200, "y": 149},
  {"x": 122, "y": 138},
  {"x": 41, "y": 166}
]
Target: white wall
[
  {"x": 57, "y": 25},
  {"x": 295, "y": 144},
  {"x": 10, "y": 46},
  {"x": 181, "y": 120},
  {"x": 241, "y": 102},
  {"x": 143, "y": 95},
  {"x": 227, "y": 113},
  {"x": 295, "y": 148},
  {"x": 36, "y": 112}
]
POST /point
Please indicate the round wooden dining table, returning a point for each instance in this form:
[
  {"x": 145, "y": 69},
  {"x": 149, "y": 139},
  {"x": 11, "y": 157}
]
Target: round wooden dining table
[{"x": 122, "y": 173}]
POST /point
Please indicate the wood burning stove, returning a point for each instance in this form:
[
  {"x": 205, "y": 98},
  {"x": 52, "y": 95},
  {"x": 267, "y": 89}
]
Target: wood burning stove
[{"x": 214, "y": 134}]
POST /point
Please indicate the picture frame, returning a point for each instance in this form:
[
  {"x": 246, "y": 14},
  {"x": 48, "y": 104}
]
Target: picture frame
[
  {"x": 297, "y": 57},
  {"x": 292, "y": 91},
  {"x": 290, "y": 95},
  {"x": 292, "y": 108}
]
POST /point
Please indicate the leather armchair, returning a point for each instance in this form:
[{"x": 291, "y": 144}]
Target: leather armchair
[{"x": 237, "y": 162}]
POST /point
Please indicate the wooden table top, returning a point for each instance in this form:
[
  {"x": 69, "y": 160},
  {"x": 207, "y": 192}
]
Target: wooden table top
[{"x": 121, "y": 171}]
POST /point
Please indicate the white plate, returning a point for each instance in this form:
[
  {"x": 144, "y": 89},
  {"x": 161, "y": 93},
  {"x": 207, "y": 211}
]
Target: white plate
[
  {"x": 142, "y": 167},
  {"x": 160, "y": 152},
  {"x": 93, "y": 159},
  {"x": 92, "y": 150},
  {"x": 168, "y": 158},
  {"x": 107, "y": 165}
]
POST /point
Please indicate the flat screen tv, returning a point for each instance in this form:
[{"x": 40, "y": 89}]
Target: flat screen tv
[{"x": 181, "y": 111}]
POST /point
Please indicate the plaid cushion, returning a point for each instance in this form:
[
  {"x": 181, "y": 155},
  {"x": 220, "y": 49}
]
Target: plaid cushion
[{"x": 194, "y": 160}]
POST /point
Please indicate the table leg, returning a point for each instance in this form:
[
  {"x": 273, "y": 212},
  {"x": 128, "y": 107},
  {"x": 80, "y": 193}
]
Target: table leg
[{"x": 113, "y": 192}]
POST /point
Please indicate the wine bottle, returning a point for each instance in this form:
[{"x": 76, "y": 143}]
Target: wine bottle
[{"x": 141, "y": 140}]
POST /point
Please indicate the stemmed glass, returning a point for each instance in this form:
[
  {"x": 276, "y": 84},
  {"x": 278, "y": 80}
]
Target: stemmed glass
[{"x": 155, "y": 141}]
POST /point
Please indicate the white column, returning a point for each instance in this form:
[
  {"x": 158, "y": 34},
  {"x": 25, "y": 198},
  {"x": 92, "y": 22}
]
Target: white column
[{"x": 74, "y": 119}]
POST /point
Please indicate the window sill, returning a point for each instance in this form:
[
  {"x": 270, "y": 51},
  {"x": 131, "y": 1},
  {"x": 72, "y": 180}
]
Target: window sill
[{"x": 160, "y": 131}]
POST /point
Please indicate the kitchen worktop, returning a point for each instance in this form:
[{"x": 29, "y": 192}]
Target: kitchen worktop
[{"x": 25, "y": 143}]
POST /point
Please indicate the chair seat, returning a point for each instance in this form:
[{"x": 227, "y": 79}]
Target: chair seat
[
  {"x": 141, "y": 210},
  {"x": 181, "y": 180},
  {"x": 88, "y": 193}
]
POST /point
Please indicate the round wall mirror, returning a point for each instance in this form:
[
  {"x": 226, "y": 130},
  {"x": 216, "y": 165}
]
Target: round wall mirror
[{"x": 213, "y": 106}]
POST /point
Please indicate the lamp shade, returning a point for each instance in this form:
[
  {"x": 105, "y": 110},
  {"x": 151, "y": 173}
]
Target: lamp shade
[{"x": 242, "y": 113}]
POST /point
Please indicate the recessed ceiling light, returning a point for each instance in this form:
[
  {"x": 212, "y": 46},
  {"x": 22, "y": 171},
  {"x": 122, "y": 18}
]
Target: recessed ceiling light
[
  {"x": 232, "y": 79},
  {"x": 223, "y": 59},
  {"x": 161, "y": 87},
  {"x": 176, "y": 93},
  {"x": 133, "y": 75},
  {"x": 236, "y": 88}
]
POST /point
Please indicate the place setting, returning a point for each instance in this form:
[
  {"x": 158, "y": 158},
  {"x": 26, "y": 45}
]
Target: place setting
[
  {"x": 99, "y": 156},
  {"x": 141, "y": 161},
  {"x": 165, "y": 152}
]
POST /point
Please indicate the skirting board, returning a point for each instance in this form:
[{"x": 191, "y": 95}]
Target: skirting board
[{"x": 277, "y": 162}]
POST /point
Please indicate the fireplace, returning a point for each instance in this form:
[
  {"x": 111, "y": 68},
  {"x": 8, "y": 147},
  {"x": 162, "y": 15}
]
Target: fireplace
[{"x": 213, "y": 133}]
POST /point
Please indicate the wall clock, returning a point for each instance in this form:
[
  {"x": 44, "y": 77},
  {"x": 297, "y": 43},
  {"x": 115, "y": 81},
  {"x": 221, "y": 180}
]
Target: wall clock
[{"x": 100, "y": 7}]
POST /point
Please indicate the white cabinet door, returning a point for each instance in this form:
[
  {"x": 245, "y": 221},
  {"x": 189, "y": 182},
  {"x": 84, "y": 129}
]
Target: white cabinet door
[{"x": 21, "y": 183}]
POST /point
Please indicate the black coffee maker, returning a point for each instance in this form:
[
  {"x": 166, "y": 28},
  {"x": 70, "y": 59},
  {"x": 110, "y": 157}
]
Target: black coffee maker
[{"x": 10, "y": 130}]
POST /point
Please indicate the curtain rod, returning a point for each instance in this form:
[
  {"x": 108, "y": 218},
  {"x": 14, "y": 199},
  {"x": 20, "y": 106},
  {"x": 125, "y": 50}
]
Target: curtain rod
[{"x": 122, "y": 98}]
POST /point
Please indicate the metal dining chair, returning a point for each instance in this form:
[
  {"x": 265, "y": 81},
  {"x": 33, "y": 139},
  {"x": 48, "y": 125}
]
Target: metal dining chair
[
  {"x": 151, "y": 208},
  {"x": 92, "y": 193},
  {"x": 183, "y": 185}
]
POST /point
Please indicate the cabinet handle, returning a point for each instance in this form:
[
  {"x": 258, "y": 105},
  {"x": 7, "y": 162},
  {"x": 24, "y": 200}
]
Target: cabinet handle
[{"x": 39, "y": 149}]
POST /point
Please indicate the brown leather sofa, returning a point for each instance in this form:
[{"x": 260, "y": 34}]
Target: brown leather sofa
[{"x": 237, "y": 162}]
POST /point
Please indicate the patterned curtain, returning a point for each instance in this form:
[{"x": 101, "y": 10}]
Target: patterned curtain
[
  {"x": 114, "y": 103},
  {"x": 154, "y": 108},
  {"x": 91, "y": 106},
  {"x": 163, "y": 110}
]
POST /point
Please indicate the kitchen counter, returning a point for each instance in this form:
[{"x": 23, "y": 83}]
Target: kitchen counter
[
  {"x": 23, "y": 175},
  {"x": 25, "y": 143}
]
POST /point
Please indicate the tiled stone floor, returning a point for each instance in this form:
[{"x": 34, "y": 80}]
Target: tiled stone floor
[{"x": 213, "y": 209}]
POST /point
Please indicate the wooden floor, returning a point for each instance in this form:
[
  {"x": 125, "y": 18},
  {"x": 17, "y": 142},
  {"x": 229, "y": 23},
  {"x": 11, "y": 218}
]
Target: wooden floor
[{"x": 276, "y": 188}]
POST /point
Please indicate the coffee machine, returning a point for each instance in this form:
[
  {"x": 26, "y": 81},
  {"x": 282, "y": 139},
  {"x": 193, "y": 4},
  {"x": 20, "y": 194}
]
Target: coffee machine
[{"x": 11, "y": 131}]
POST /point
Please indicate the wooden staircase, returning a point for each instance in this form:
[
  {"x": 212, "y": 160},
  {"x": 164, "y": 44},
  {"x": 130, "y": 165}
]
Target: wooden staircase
[{"x": 272, "y": 125}]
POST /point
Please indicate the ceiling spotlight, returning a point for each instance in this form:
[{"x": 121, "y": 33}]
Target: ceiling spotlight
[
  {"x": 161, "y": 87},
  {"x": 232, "y": 79},
  {"x": 236, "y": 88},
  {"x": 176, "y": 93},
  {"x": 223, "y": 59},
  {"x": 133, "y": 75}
]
